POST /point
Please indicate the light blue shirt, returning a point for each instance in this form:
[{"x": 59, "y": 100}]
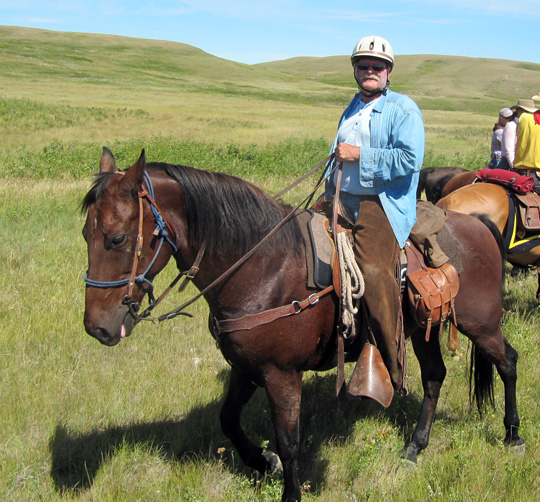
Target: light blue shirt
[
  {"x": 355, "y": 130},
  {"x": 389, "y": 165}
]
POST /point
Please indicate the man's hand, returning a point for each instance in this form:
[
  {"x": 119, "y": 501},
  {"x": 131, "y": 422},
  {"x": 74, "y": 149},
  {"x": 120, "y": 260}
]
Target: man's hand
[{"x": 347, "y": 153}]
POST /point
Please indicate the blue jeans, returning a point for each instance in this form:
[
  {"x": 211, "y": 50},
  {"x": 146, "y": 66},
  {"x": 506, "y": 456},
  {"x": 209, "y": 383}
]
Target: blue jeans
[{"x": 503, "y": 164}]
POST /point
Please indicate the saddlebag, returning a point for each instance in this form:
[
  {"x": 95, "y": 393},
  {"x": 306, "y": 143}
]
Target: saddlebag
[
  {"x": 528, "y": 206},
  {"x": 431, "y": 291}
]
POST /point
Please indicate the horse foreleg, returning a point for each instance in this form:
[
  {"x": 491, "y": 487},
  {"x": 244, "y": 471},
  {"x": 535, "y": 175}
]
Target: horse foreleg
[
  {"x": 238, "y": 394},
  {"x": 433, "y": 372},
  {"x": 284, "y": 392}
]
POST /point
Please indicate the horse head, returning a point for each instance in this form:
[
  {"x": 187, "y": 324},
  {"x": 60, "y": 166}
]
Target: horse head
[{"x": 124, "y": 247}]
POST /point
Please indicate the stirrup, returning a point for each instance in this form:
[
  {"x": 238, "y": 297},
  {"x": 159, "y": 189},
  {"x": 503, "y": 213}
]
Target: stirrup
[{"x": 370, "y": 377}]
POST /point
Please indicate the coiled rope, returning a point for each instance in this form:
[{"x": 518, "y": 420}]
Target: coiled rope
[{"x": 352, "y": 281}]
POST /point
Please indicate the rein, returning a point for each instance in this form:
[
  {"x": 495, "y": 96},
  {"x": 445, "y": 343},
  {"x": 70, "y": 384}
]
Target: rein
[
  {"x": 297, "y": 306},
  {"x": 160, "y": 230}
]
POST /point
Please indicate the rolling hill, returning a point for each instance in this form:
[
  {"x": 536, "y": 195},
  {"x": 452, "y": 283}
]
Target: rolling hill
[
  {"x": 30, "y": 57},
  {"x": 61, "y": 88}
]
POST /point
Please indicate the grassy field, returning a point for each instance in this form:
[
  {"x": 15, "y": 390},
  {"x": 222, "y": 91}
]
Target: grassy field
[
  {"x": 89, "y": 89},
  {"x": 139, "y": 421}
]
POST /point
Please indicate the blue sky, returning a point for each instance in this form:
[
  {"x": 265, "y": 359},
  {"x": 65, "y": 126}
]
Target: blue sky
[{"x": 258, "y": 31}]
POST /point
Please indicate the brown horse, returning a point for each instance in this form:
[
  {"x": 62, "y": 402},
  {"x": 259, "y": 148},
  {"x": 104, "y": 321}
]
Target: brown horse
[
  {"x": 432, "y": 180},
  {"x": 493, "y": 201},
  {"x": 457, "y": 181},
  {"x": 180, "y": 210}
]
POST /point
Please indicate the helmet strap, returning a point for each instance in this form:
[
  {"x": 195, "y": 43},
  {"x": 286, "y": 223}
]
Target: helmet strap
[{"x": 373, "y": 93}]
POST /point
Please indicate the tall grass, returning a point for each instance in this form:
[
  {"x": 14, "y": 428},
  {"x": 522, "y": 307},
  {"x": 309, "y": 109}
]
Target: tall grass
[
  {"x": 76, "y": 161},
  {"x": 289, "y": 158}
]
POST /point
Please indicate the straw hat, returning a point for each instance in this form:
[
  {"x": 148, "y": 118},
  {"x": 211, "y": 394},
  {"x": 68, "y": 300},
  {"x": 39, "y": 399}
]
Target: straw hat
[
  {"x": 525, "y": 104},
  {"x": 536, "y": 96}
]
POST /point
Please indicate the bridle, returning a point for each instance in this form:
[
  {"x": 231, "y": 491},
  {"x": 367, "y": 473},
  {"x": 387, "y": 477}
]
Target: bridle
[{"x": 162, "y": 231}]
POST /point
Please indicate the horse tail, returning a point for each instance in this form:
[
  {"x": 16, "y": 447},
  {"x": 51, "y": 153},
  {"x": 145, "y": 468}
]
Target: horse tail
[
  {"x": 424, "y": 173},
  {"x": 480, "y": 380},
  {"x": 481, "y": 369},
  {"x": 435, "y": 193}
]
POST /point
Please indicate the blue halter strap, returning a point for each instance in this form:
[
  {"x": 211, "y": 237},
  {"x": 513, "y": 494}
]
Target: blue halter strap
[{"x": 160, "y": 231}]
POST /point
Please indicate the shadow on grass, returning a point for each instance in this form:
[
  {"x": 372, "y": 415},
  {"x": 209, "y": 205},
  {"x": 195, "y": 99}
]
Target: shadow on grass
[{"x": 77, "y": 457}]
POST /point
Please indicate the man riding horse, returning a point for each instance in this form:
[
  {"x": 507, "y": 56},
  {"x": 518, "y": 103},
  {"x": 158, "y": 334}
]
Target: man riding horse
[{"x": 380, "y": 141}]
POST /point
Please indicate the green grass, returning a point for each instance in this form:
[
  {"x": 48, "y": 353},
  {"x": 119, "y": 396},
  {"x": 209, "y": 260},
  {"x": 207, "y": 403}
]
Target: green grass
[
  {"x": 283, "y": 160},
  {"x": 76, "y": 160},
  {"x": 28, "y": 115},
  {"x": 140, "y": 421}
]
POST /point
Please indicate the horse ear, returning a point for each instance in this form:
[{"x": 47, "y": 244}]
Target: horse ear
[
  {"x": 107, "y": 163},
  {"x": 134, "y": 176}
]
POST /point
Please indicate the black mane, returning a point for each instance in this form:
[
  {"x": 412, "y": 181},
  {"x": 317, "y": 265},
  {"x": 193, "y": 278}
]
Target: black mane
[
  {"x": 97, "y": 188},
  {"x": 231, "y": 215}
]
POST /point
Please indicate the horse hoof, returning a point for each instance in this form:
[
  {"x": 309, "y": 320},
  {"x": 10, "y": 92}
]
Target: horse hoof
[
  {"x": 273, "y": 463},
  {"x": 519, "y": 449},
  {"x": 410, "y": 454},
  {"x": 408, "y": 465}
]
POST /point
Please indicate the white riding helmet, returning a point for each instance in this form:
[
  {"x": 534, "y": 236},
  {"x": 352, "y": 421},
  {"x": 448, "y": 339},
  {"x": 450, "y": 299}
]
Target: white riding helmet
[{"x": 375, "y": 47}]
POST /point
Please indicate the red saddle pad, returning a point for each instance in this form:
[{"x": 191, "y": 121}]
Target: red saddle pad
[{"x": 510, "y": 179}]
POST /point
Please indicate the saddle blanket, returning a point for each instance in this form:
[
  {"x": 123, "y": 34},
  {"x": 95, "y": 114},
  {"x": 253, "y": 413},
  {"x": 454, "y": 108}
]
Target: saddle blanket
[
  {"x": 319, "y": 248},
  {"x": 510, "y": 179}
]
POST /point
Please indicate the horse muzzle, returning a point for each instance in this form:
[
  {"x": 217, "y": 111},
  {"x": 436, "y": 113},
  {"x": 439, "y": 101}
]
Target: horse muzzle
[{"x": 109, "y": 333}]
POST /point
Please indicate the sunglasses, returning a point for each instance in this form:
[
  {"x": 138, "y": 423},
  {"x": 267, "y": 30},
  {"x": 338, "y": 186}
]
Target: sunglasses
[{"x": 375, "y": 67}]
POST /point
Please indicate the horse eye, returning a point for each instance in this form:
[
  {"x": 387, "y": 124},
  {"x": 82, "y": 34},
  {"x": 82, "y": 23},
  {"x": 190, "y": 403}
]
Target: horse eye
[{"x": 118, "y": 240}]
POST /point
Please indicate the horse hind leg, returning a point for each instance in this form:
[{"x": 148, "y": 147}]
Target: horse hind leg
[
  {"x": 495, "y": 350},
  {"x": 505, "y": 357},
  {"x": 433, "y": 372},
  {"x": 240, "y": 391}
]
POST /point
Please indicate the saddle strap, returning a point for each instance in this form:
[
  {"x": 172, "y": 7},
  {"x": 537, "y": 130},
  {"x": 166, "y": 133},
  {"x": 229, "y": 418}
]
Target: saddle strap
[
  {"x": 250, "y": 321},
  {"x": 336, "y": 279}
]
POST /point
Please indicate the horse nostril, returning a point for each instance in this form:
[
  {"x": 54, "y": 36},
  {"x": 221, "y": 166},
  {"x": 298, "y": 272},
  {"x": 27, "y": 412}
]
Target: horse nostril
[{"x": 104, "y": 336}]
